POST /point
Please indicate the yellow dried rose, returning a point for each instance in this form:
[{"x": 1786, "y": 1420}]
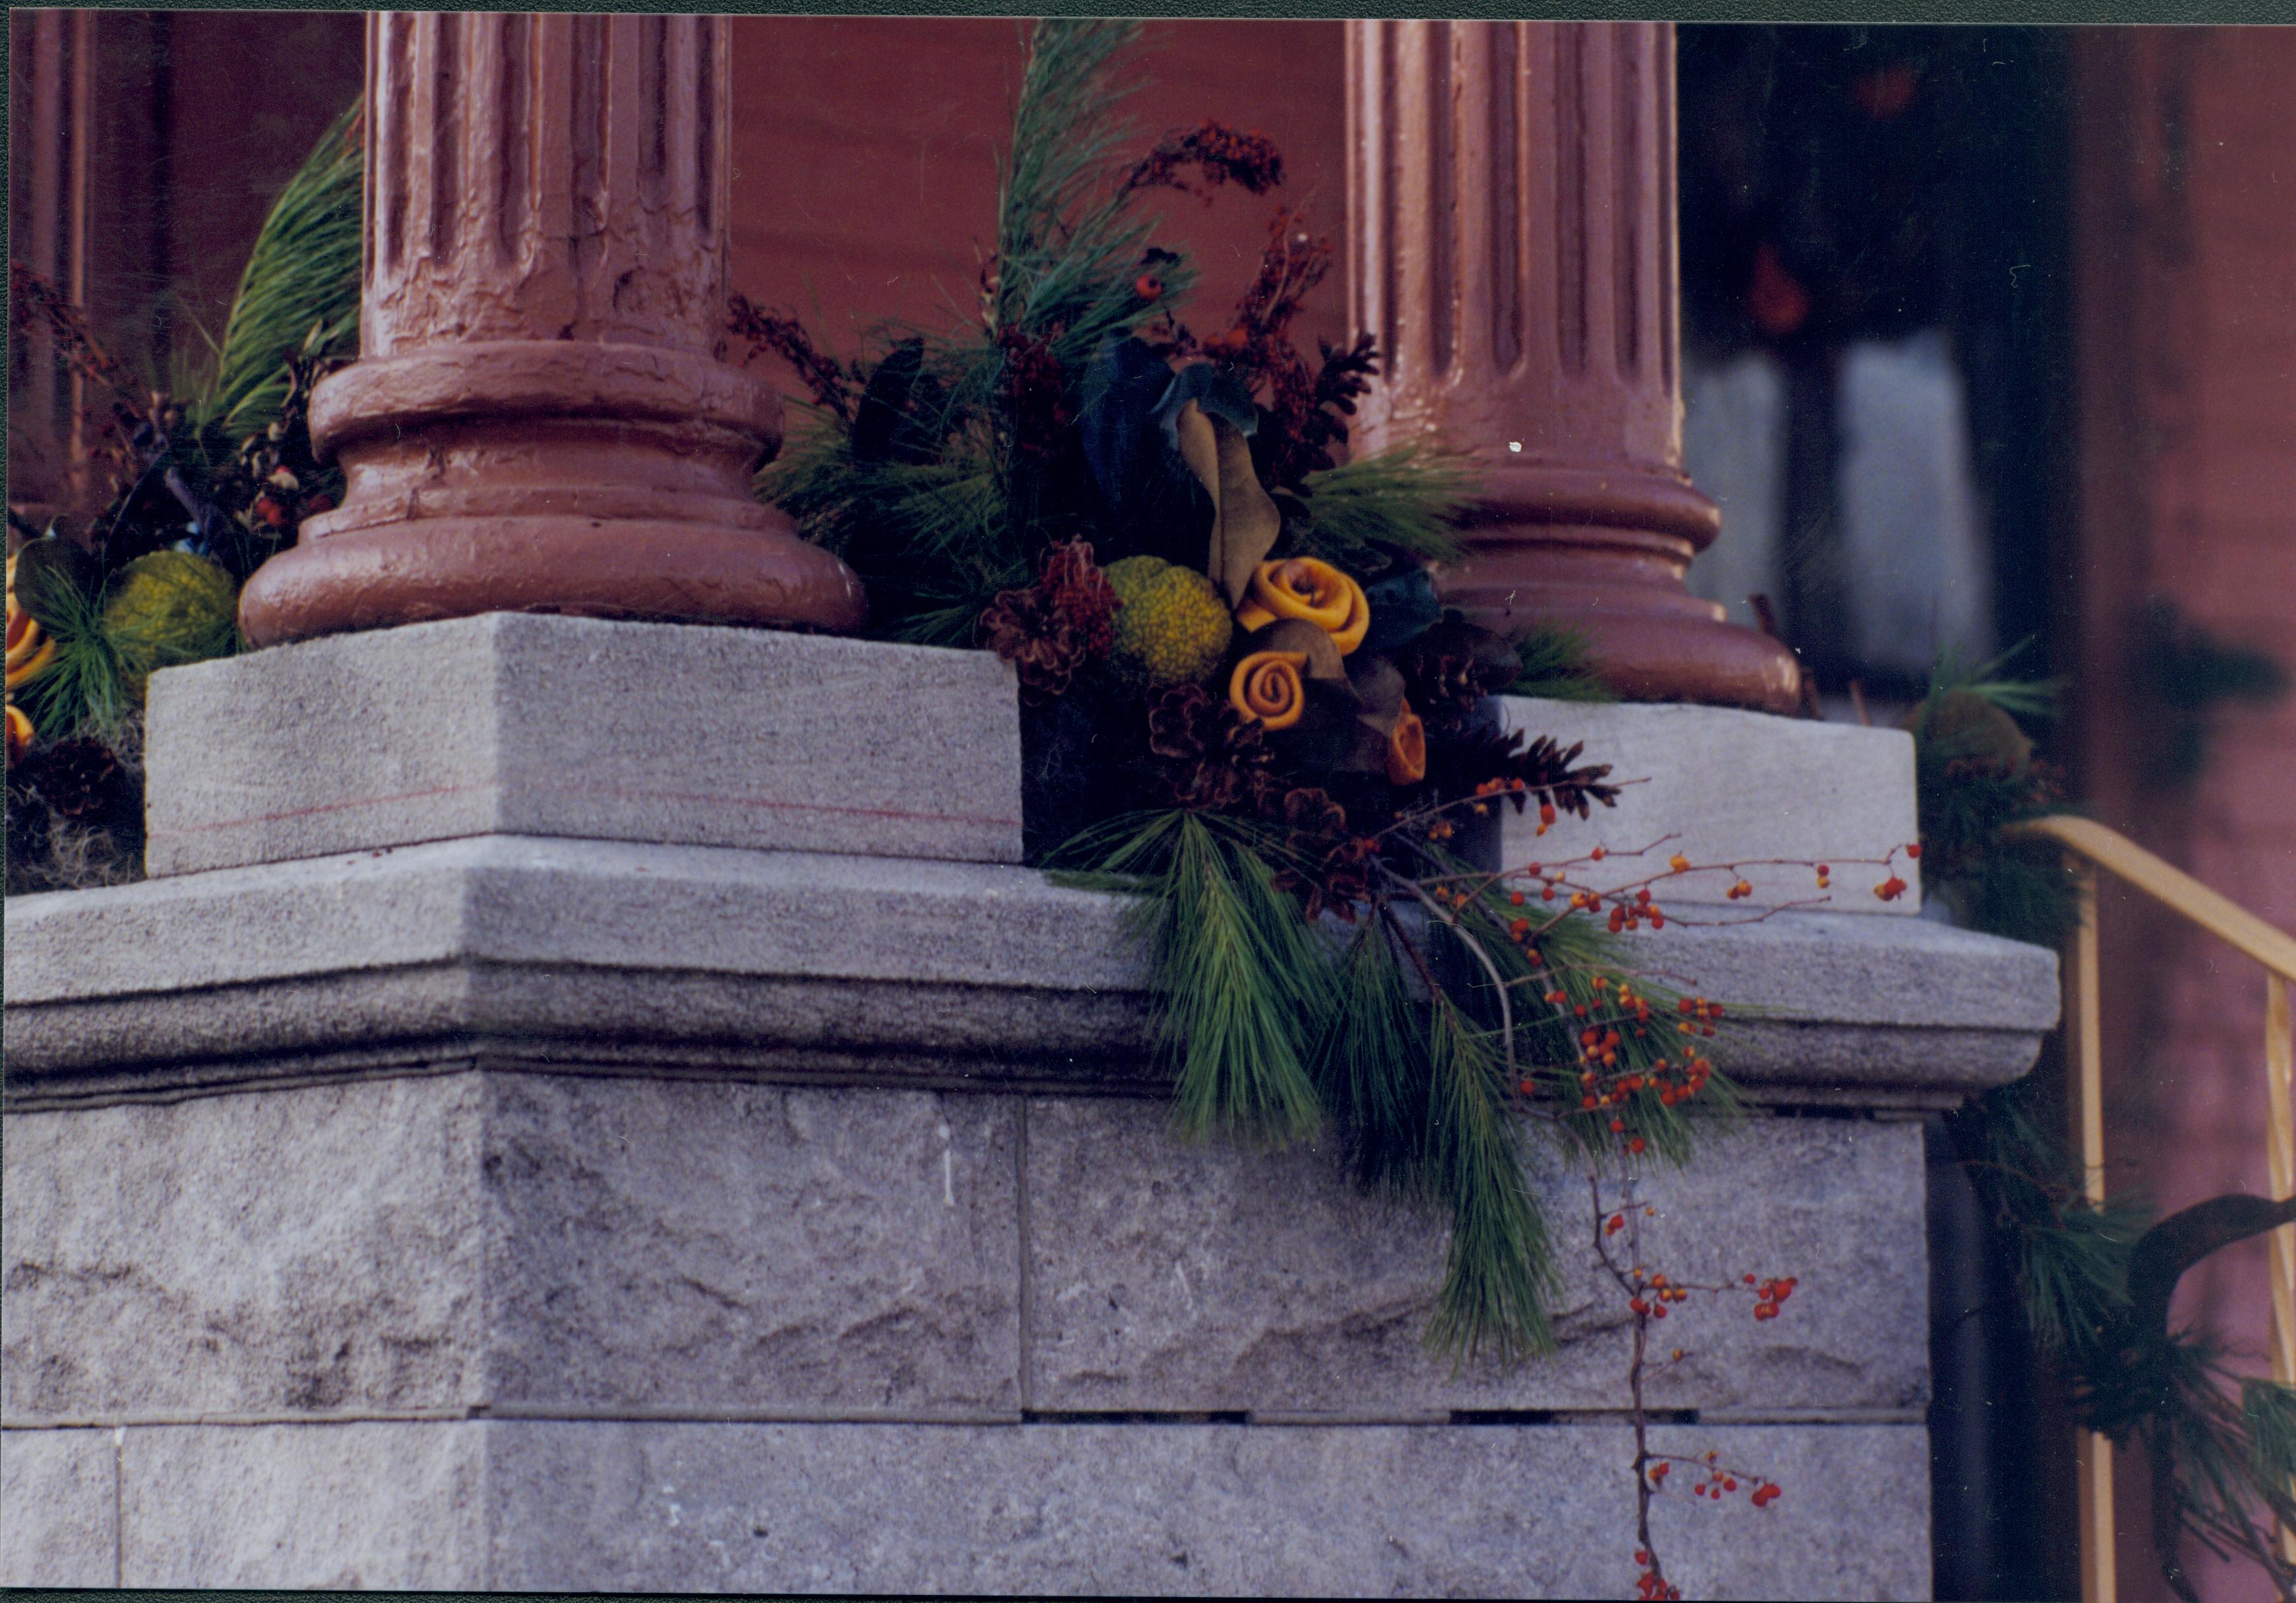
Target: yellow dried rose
[
  {"x": 30, "y": 651},
  {"x": 1314, "y": 591},
  {"x": 1406, "y": 749},
  {"x": 1267, "y": 686}
]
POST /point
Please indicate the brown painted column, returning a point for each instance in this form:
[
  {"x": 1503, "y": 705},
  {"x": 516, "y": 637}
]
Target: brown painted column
[
  {"x": 1511, "y": 246},
  {"x": 538, "y": 421}
]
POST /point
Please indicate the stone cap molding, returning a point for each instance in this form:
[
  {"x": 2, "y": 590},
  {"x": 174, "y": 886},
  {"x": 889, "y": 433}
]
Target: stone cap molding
[{"x": 591, "y": 956}]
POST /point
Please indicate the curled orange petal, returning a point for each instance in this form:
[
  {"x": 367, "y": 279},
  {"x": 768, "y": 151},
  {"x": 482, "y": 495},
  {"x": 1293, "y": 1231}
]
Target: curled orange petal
[
  {"x": 20, "y": 734},
  {"x": 1350, "y": 635},
  {"x": 29, "y": 657},
  {"x": 1406, "y": 749},
  {"x": 1302, "y": 587},
  {"x": 1267, "y": 686},
  {"x": 1251, "y": 617}
]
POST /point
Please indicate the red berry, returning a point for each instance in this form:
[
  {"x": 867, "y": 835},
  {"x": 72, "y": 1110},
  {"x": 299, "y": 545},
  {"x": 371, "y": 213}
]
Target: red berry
[{"x": 1914, "y": 851}]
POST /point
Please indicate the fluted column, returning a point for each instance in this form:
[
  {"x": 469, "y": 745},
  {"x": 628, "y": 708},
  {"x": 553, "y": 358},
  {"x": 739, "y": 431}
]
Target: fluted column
[
  {"x": 1511, "y": 246},
  {"x": 536, "y": 422}
]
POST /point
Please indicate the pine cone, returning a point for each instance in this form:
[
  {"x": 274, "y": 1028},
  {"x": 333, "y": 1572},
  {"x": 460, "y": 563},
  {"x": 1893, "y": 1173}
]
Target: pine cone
[
  {"x": 1451, "y": 668},
  {"x": 1340, "y": 877},
  {"x": 1056, "y": 625},
  {"x": 1207, "y": 755},
  {"x": 77, "y": 777},
  {"x": 1469, "y": 757}
]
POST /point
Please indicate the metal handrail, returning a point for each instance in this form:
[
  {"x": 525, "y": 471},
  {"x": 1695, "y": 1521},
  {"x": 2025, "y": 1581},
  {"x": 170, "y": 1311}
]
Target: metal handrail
[{"x": 2100, "y": 848}]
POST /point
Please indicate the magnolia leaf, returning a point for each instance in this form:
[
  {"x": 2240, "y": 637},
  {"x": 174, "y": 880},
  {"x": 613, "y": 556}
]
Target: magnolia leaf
[
  {"x": 1213, "y": 393},
  {"x": 1147, "y": 500},
  {"x": 1379, "y": 689},
  {"x": 1330, "y": 734},
  {"x": 56, "y": 582},
  {"x": 1245, "y": 527},
  {"x": 885, "y": 402},
  {"x": 1324, "y": 662},
  {"x": 1197, "y": 443},
  {"x": 1403, "y": 607},
  {"x": 1209, "y": 417}
]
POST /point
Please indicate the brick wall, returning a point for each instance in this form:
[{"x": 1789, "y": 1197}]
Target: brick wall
[
  {"x": 2186, "y": 230},
  {"x": 865, "y": 151}
]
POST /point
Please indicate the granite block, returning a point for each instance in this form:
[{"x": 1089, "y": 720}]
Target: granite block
[
  {"x": 727, "y": 1248},
  {"x": 1721, "y": 786},
  {"x": 459, "y": 1241},
  {"x": 1169, "y": 1510},
  {"x": 1175, "y": 1277},
  {"x": 583, "y": 727},
  {"x": 59, "y": 1508},
  {"x": 1183, "y": 1510},
  {"x": 302, "y": 1252},
  {"x": 370, "y": 1505}
]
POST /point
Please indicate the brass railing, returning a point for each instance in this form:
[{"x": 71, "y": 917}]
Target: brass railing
[{"x": 2097, "y": 847}]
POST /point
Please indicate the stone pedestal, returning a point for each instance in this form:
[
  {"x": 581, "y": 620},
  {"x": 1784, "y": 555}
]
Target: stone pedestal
[
  {"x": 527, "y": 1205},
  {"x": 538, "y": 421},
  {"x": 1511, "y": 217}
]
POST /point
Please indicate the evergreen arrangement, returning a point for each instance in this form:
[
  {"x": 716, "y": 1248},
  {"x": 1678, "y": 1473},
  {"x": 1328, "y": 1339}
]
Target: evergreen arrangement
[
  {"x": 203, "y": 480},
  {"x": 1243, "y": 701}
]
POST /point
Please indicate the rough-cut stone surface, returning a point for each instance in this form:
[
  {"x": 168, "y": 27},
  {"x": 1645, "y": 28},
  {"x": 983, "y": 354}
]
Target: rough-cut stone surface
[
  {"x": 1153, "y": 1509},
  {"x": 1173, "y": 1277},
  {"x": 589, "y": 955},
  {"x": 372, "y": 1504},
  {"x": 1728, "y": 786},
  {"x": 731, "y": 1248},
  {"x": 501, "y": 1240},
  {"x": 298, "y": 1254},
  {"x": 531, "y": 724},
  {"x": 458, "y": 1241},
  {"x": 59, "y": 1508}
]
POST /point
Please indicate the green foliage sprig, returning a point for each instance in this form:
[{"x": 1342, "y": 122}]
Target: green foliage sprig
[
  {"x": 299, "y": 290},
  {"x": 2096, "y": 1284},
  {"x": 2096, "y": 1280},
  {"x": 1430, "y": 1043},
  {"x": 1975, "y": 775}
]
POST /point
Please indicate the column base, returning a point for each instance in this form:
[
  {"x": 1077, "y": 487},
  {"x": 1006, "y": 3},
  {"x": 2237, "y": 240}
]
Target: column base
[
  {"x": 1605, "y": 553},
  {"x": 650, "y": 569},
  {"x": 604, "y": 480}
]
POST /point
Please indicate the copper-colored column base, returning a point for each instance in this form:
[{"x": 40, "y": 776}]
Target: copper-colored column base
[
  {"x": 1605, "y": 554},
  {"x": 563, "y": 476}
]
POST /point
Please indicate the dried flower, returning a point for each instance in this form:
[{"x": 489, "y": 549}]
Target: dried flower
[{"x": 1219, "y": 154}]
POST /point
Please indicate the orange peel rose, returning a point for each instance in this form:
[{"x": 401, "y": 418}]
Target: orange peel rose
[
  {"x": 1315, "y": 592},
  {"x": 1267, "y": 686},
  {"x": 1406, "y": 749}
]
